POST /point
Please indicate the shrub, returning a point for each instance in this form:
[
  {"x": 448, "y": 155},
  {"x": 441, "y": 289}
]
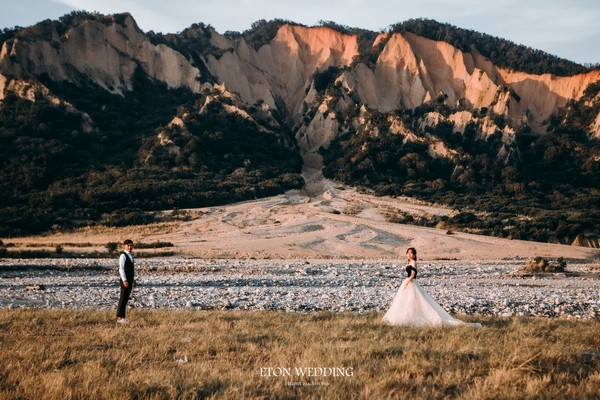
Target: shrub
[
  {"x": 399, "y": 217},
  {"x": 112, "y": 247},
  {"x": 540, "y": 264},
  {"x": 154, "y": 245}
]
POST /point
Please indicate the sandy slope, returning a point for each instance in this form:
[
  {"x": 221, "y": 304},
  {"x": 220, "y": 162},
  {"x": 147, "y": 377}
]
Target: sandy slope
[
  {"x": 324, "y": 220},
  {"x": 329, "y": 221}
]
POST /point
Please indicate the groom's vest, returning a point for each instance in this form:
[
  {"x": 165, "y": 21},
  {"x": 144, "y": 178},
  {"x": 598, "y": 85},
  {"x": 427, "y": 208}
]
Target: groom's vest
[{"x": 128, "y": 268}]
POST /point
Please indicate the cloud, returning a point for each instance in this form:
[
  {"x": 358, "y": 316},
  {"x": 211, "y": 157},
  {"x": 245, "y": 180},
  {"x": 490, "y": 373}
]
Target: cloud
[{"x": 30, "y": 12}]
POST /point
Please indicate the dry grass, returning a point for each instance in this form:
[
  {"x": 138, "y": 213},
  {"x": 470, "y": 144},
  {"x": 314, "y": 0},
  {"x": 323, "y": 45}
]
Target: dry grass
[
  {"x": 88, "y": 241},
  {"x": 95, "y": 236},
  {"x": 218, "y": 354},
  {"x": 353, "y": 210}
]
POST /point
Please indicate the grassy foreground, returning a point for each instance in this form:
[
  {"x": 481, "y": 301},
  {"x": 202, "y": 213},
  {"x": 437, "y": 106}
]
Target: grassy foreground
[{"x": 219, "y": 354}]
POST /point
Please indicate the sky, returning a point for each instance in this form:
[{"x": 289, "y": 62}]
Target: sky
[{"x": 565, "y": 28}]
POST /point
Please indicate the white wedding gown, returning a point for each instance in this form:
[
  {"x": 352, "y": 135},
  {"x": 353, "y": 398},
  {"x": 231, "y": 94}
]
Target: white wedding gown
[{"x": 415, "y": 307}]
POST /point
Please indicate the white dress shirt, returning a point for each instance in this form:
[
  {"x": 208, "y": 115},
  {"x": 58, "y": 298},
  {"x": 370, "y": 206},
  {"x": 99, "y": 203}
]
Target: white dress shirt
[{"x": 122, "y": 264}]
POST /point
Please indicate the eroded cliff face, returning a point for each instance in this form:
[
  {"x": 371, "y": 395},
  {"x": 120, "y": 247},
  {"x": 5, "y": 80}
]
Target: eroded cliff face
[
  {"x": 108, "y": 54},
  {"x": 410, "y": 71},
  {"x": 280, "y": 72}
]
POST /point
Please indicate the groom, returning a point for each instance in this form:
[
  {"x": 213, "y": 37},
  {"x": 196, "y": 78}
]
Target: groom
[{"x": 126, "y": 275}]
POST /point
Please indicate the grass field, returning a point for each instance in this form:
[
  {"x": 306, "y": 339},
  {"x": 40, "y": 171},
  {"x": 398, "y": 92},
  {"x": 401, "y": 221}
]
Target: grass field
[{"x": 49, "y": 354}]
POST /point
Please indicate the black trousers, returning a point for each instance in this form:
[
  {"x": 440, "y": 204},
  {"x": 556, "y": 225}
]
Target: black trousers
[{"x": 123, "y": 299}]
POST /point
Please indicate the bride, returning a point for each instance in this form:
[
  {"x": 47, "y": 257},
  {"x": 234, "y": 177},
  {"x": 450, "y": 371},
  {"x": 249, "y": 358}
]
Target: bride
[{"x": 414, "y": 306}]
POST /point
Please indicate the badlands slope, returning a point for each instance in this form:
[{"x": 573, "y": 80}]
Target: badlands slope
[{"x": 326, "y": 220}]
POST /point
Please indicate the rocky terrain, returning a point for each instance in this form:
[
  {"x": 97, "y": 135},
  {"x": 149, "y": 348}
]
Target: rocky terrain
[
  {"x": 332, "y": 251},
  {"x": 308, "y": 84},
  {"x": 493, "y": 287}
]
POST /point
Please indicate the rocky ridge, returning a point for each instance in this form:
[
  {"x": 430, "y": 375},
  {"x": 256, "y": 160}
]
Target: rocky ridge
[{"x": 410, "y": 70}]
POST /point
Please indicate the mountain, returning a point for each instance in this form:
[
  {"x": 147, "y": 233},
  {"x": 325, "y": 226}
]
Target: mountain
[{"x": 101, "y": 121}]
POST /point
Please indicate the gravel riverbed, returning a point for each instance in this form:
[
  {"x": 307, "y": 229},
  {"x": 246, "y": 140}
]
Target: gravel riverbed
[{"x": 463, "y": 287}]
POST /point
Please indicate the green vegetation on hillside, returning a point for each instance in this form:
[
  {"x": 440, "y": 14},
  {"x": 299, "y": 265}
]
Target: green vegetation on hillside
[
  {"x": 53, "y": 174},
  {"x": 543, "y": 187},
  {"x": 194, "y": 43},
  {"x": 112, "y": 157},
  {"x": 263, "y": 32}
]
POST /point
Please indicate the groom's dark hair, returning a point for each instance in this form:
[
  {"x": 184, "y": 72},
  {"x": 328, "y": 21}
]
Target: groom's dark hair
[{"x": 128, "y": 241}]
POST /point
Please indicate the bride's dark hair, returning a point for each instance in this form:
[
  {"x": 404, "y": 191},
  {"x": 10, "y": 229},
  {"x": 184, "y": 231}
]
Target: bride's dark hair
[{"x": 414, "y": 251}]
